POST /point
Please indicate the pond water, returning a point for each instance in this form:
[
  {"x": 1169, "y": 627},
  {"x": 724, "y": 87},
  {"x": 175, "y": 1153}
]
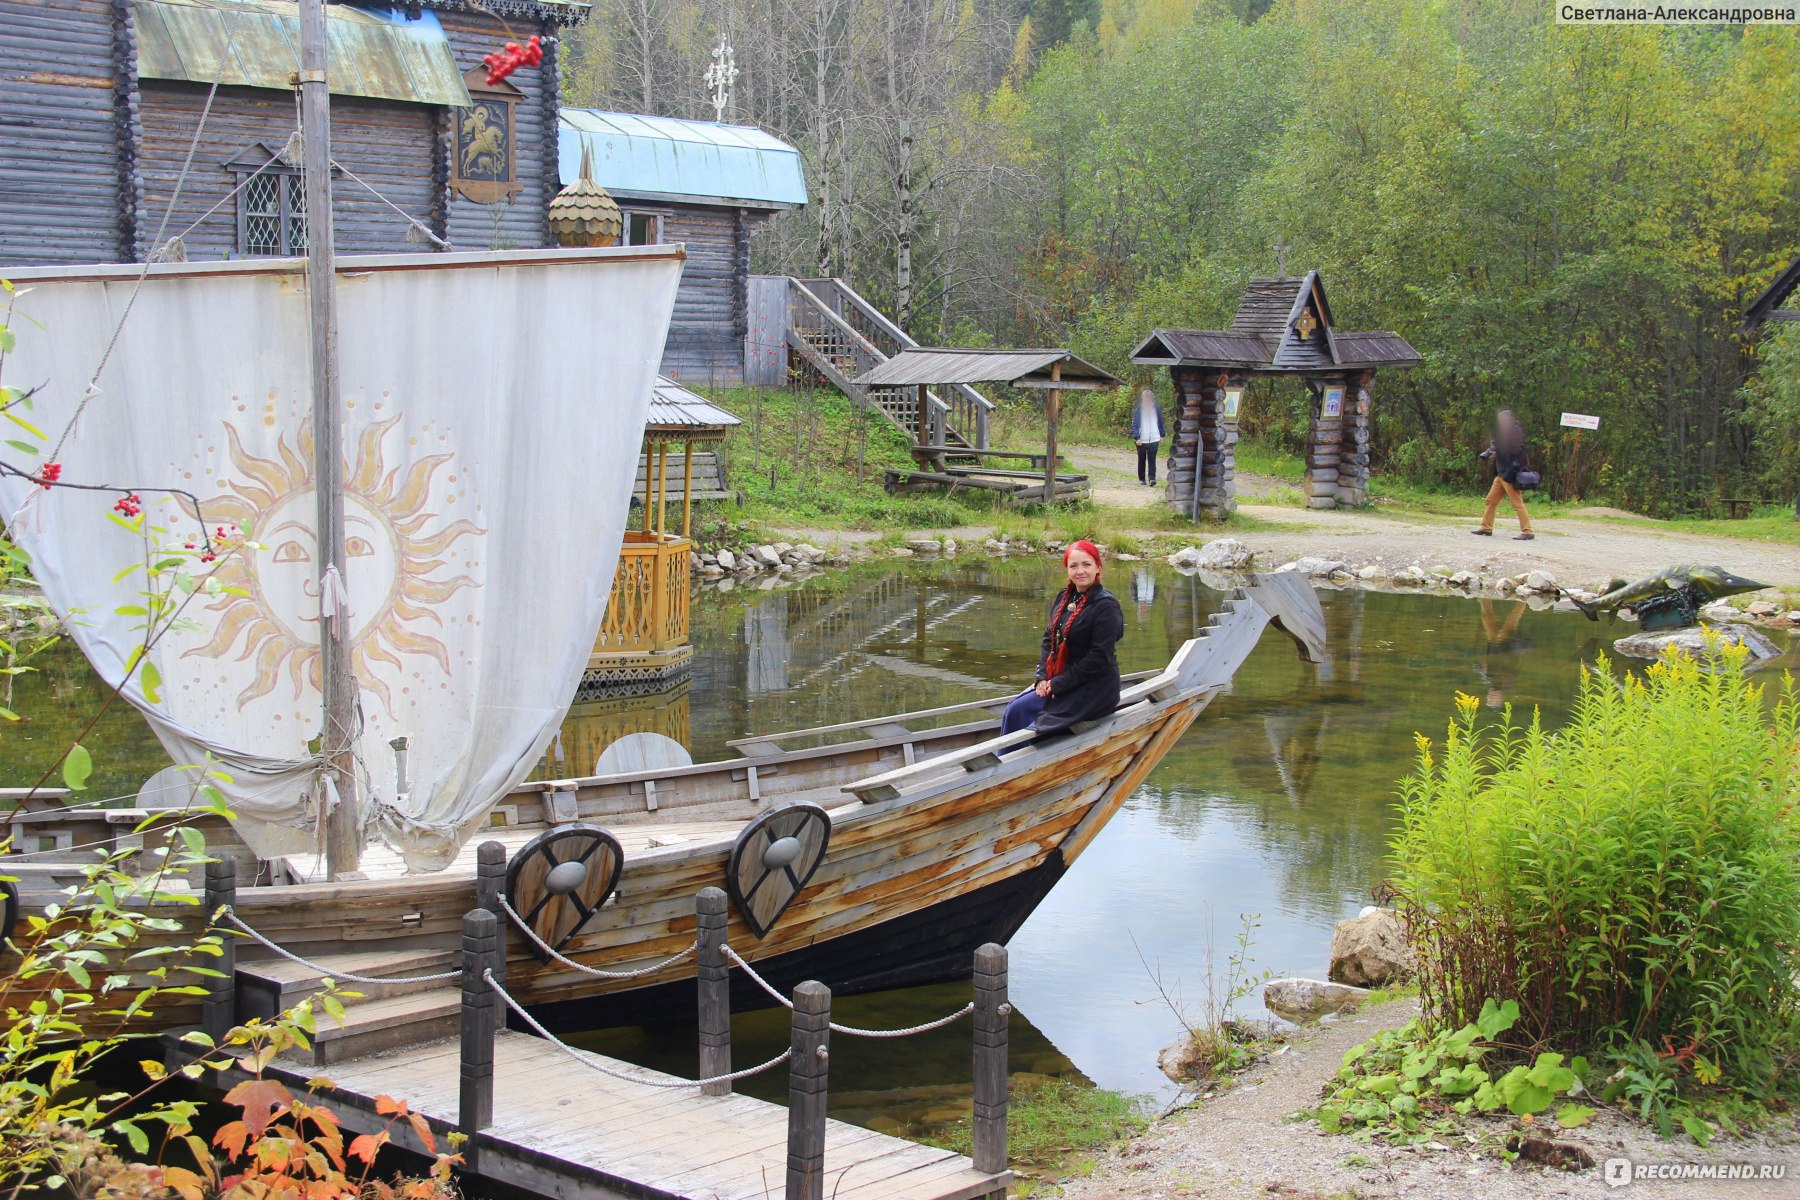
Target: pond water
[{"x": 1273, "y": 810}]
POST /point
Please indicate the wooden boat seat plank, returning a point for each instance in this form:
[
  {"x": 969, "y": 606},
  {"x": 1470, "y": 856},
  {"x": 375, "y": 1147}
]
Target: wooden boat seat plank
[{"x": 980, "y": 756}]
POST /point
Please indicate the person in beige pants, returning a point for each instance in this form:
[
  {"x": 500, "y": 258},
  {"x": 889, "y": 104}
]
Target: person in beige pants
[{"x": 1507, "y": 449}]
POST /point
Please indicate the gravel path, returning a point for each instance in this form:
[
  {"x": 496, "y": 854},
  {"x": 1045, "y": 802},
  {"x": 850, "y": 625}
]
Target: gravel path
[
  {"x": 1240, "y": 1144},
  {"x": 1578, "y": 549}
]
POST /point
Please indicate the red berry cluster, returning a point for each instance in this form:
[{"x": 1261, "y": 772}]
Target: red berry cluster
[
  {"x": 48, "y": 474},
  {"x": 504, "y": 62},
  {"x": 129, "y": 505}
]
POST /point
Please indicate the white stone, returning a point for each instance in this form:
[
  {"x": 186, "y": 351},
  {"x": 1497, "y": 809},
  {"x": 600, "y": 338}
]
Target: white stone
[
  {"x": 1369, "y": 572},
  {"x": 1371, "y": 950},
  {"x": 1184, "y": 557},
  {"x": 711, "y": 570},
  {"x": 924, "y": 545},
  {"x": 767, "y": 555},
  {"x": 1793, "y": 616},
  {"x": 1129, "y": 557},
  {"x": 1224, "y": 554},
  {"x": 1409, "y": 577},
  {"x": 1720, "y": 612},
  {"x": 950, "y": 547},
  {"x": 726, "y": 559},
  {"x": 994, "y": 547},
  {"x": 783, "y": 548},
  {"x": 1508, "y": 587},
  {"x": 1540, "y": 581},
  {"x": 1693, "y": 640},
  {"x": 901, "y": 552},
  {"x": 1309, "y": 999},
  {"x": 1763, "y": 608},
  {"x": 1465, "y": 579},
  {"x": 1319, "y": 567}
]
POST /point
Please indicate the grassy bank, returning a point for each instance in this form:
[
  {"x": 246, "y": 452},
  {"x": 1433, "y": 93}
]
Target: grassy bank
[{"x": 1055, "y": 1128}]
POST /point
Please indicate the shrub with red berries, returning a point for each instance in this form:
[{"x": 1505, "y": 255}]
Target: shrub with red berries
[
  {"x": 48, "y": 474},
  {"x": 128, "y": 505}
]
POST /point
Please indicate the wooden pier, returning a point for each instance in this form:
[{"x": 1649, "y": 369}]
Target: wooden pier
[
  {"x": 555, "y": 1120},
  {"x": 560, "y": 1129}
]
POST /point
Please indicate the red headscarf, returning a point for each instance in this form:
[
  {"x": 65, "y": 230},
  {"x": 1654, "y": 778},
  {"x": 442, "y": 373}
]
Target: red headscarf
[{"x": 1059, "y": 627}]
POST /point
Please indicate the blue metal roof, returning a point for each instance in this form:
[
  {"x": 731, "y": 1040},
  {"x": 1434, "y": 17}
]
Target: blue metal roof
[{"x": 665, "y": 157}]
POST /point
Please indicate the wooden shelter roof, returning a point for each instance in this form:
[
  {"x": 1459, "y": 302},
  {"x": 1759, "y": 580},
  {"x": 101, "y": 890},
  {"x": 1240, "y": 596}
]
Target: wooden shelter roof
[
  {"x": 677, "y": 414},
  {"x": 1021, "y": 368},
  {"x": 1282, "y": 326},
  {"x": 1768, "y": 305}
]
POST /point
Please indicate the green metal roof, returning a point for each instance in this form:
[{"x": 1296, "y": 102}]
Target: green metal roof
[{"x": 374, "y": 52}]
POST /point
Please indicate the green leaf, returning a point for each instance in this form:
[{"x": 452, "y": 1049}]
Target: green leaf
[
  {"x": 1696, "y": 1128},
  {"x": 1569, "y": 1116},
  {"x": 23, "y": 447},
  {"x": 1529, "y": 1098},
  {"x": 22, "y": 423},
  {"x": 77, "y": 767},
  {"x": 150, "y": 679},
  {"x": 1496, "y": 1019},
  {"x": 140, "y": 1141}
]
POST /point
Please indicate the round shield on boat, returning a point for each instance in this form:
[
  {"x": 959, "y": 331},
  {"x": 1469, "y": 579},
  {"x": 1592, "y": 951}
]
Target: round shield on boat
[
  {"x": 773, "y": 859},
  {"x": 559, "y": 879}
]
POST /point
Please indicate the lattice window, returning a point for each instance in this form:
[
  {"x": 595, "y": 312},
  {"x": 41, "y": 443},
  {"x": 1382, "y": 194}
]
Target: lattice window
[{"x": 272, "y": 213}]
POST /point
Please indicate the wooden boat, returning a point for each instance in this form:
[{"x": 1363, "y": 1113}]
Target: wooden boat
[{"x": 927, "y": 833}]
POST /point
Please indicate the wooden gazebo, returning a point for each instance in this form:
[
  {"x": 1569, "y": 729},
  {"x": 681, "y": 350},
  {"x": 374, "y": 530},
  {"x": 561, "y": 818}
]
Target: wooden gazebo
[
  {"x": 1283, "y": 327},
  {"x": 1050, "y": 371},
  {"x": 643, "y": 643}
]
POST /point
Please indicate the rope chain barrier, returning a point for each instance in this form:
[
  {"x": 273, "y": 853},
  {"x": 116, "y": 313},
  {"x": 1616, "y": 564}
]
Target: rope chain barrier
[
  {"x": 531, "y": 933},
  {"x": 593, "y": 1064},
  {"x": 849, "y": 1030},
  {"x": 347, "y": 976}
]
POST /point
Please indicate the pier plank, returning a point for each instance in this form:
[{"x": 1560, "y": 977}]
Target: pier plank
[{"x": 567, "y": 1130}]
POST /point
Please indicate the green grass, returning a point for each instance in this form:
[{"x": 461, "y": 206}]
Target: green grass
[
  {"x": 1055, "y": 1127},
  {"x": 1260, "y": 458},
  {"x": 1768, "y": 524},
  {"x": 813, "y": 458}
]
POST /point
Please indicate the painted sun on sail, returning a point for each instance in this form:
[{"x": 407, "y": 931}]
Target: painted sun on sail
[{"x": 396, "y": 544}]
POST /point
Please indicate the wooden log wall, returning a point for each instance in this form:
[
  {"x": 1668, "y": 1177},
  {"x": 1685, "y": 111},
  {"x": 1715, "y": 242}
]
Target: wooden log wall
[
  {"x": 1205, "y": 451},
  {"x": 1337, "y": 455},
  {"x": 64, "y": 131},
  {"x": 387, "y": 143},
  {"x": 524, "y": 222},
  {"x": 706, "y": 336}
]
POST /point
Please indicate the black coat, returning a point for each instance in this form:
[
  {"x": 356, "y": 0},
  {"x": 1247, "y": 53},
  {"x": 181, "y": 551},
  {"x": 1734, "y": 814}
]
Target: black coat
[{"x": 1088, "y": 686}]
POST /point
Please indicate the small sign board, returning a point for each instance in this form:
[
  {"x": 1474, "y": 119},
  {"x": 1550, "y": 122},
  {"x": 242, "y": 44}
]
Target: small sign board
[
  {"x": 1580, "y": 421},
  {"x": 1334, "y": 402},
  {"x": 1233, "y": 398}
]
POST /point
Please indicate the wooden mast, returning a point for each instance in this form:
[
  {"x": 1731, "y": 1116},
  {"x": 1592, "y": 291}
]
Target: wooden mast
[{"x": 343, "y": 823}]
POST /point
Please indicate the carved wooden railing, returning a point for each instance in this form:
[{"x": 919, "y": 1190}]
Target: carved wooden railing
[
  {"x": 648, "y": 609},
  {"x": 842, "y": 335}
]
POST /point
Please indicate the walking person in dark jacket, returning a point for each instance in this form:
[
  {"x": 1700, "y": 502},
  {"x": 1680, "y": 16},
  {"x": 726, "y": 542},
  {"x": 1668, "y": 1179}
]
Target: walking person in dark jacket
[
  {"x": 1148, "y": 430},
  {"x": 1078, "y": 668},
  {"x": 1507, "y": 449}
]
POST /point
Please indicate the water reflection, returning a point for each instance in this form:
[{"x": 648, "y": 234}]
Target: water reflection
[{"x": 1277, "y": 802}]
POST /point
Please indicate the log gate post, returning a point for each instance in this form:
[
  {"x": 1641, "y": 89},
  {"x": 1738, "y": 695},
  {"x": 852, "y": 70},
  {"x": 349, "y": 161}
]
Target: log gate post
[
  {"x": 714, "y": 978},
  {"x": 807, "y": 1072},
  {"x": 480, "y": 1022},
  {"x": 218, "y": 1012},
  {"x": 991, "y": 1013}
]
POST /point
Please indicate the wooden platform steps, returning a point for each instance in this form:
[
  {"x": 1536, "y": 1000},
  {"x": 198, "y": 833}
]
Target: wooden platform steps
[
  {"x": 381, "y": 1017},
  {"x": 562, "y": 1129}
]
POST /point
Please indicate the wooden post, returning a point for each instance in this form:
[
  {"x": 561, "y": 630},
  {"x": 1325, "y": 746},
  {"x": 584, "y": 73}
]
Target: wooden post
[
  {"x": 924, "y": 417},
  {"x": 687, "y": 487},
  {"x": 219, "y": 1009},
  {"x": 991, "y": 1013},
  {"x": 480, "y": 1024},
  {"x": 343, "y": 823},
  {"x": 490, "y": 885},
  {"x": 714, "y": 977},
  {"x": 1052, "y": 414},
  {"x": 806, "y": 1092},
  {"x": 662, "y": 488}
]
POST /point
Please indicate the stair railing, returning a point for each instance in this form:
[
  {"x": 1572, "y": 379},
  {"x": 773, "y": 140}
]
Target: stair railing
[{"x": 966, "y": 408}]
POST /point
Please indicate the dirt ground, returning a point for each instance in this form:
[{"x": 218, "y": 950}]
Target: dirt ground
[
  {"x": 1240, "y": 1145},
  {"x": 1579, "y": 550}
]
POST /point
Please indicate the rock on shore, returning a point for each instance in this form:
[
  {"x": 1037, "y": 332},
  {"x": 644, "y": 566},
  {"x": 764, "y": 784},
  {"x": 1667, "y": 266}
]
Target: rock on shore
[{"x": 1371, "y": 950}]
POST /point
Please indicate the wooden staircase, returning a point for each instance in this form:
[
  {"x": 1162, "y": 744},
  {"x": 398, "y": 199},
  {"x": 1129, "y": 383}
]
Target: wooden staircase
[
  {"x": 841, "y": 335},
  {"x": 380, "y": 1017}
]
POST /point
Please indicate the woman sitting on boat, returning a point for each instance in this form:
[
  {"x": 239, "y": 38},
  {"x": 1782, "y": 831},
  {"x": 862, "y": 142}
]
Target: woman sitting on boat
[{"x": 1078, "y": 671}]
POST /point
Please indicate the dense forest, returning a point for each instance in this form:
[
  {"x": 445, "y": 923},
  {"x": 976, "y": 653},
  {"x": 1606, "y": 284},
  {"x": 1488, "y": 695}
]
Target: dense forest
[{"x": 1559, "y": 218}]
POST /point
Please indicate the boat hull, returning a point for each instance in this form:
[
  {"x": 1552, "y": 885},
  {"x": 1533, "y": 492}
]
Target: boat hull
[{"x": 931, "y": 945}]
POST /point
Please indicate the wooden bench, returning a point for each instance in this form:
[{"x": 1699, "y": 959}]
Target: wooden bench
[
  {"x": 708, "y": 479},
  {"x": 1738, "y": 507},
  {"x": 936, "y": 454}
]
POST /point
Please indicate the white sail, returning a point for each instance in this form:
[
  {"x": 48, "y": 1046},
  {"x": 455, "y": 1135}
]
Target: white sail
[{"x": 493, "y": 413}]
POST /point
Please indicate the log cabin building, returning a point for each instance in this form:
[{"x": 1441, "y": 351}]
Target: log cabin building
[{"x": 99, "y": 101}]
